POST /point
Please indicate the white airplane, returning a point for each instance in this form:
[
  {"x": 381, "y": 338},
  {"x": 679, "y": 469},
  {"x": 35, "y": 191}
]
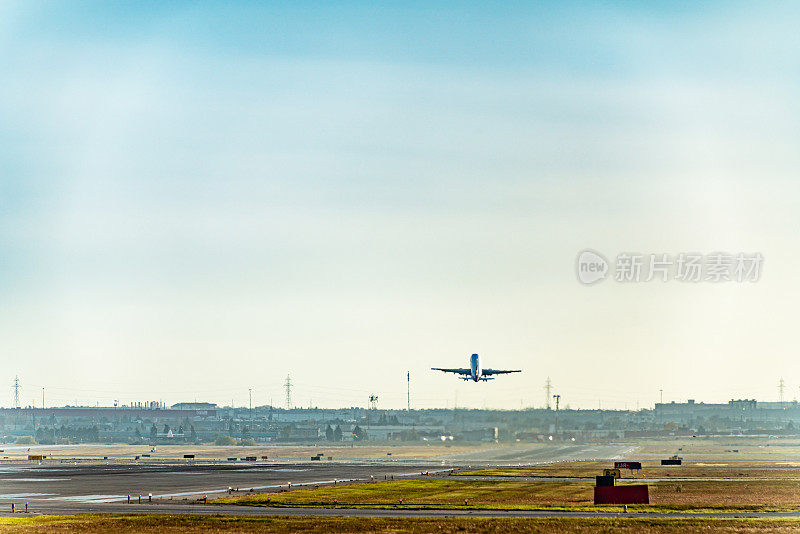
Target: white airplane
[{"x": 475, "y": 373}]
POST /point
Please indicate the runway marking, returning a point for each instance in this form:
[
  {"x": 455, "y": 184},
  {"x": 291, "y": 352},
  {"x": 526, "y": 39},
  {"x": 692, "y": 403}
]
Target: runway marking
[
  {"x": 23, "y": 495},
  {"x": 35, "y": 479},
  {"x": 86, "y": 498}
]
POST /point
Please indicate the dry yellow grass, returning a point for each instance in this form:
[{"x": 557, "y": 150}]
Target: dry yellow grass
[
  {"x": 645, "y": 472},
  {"x": 219, "y": 524},
  {"x": 339, "y": 451},
  {"x": 722, "y": 495}
]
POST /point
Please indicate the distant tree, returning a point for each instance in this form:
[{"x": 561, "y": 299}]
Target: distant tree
[
  {"x": 153, "y": 431},
  {"x": 138, "y": 433},
  {"x": 337, "y": 433},
  {"x": 329, "y": 433},
  {"x": 224, "y": 441},
  {"x": 192, "y": 434},
  {"x": 166, "y": 428},
  {"x": 359, "y": 433}
]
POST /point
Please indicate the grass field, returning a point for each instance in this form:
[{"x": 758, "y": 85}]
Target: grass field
[
  {"x": 645, "y": 472},
  {"x": 221, "y": 524},
  {"x": 779, "y": 495},
  {"x": 339, "y": 451},
  {"x": 721, "y": 448}
]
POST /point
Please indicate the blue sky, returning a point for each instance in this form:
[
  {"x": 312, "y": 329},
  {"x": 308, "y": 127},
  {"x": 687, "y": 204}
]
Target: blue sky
[{"x": 199, "y": 198}]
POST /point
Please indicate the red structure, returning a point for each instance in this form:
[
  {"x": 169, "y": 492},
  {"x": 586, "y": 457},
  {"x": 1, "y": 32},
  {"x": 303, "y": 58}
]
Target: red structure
[{"x": 628, "y": 494}]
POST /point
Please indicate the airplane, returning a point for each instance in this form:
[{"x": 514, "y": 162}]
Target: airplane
[{"x": 475, "y": 373}]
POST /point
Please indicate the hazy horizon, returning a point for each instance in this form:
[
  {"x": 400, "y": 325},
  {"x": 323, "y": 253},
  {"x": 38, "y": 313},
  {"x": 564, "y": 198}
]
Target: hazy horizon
[{"x": 201, "y": 198}]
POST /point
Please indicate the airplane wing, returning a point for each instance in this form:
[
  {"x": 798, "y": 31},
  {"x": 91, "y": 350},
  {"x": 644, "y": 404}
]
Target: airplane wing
[
  {"x": 461, "y": 371},
  {"x": 499, "y": 371}
]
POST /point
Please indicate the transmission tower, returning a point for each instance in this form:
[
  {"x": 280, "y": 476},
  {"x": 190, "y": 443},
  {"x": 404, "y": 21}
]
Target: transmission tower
[
  {"x": 781, "y": 386},
  {"x": 288, "y": 386},
  {"x": 548, "y": 388},
  {"x": 17, "y": 389}
]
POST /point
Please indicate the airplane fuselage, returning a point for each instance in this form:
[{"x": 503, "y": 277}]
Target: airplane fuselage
[{"x": 475, "y": 368}]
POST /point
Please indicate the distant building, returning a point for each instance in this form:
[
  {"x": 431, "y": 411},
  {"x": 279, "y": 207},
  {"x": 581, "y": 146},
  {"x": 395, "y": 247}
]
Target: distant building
[{"x": 194, "y": 406}]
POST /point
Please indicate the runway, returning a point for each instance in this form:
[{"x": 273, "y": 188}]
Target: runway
[
  {"x": 82, "y": 488},
  {"x": 98, "y": 484}
]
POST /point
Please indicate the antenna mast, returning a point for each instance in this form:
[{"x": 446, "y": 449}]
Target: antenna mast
[{"x": 408, "y": 390}]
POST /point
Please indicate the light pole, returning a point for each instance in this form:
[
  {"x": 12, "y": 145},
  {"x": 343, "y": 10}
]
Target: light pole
[{"x": 557, "y": 398}]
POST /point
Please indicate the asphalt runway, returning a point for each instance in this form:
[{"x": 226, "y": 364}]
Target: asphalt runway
[
  {"x": 97, "y": 488},
  {"x": 103, "y": 484}
]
